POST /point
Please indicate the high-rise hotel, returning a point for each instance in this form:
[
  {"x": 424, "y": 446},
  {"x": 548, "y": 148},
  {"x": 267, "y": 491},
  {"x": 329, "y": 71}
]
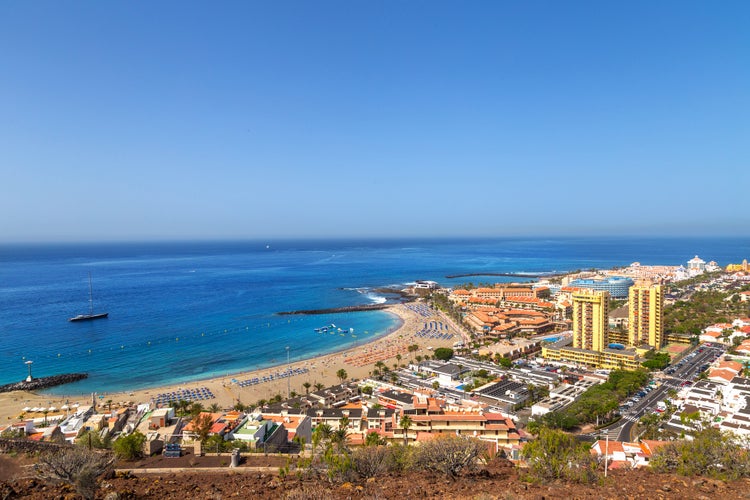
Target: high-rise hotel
[
  {"x": 646, "y": 315},
  {"x": 590, "y": 319},
  {"x": 590, "y": 343}
]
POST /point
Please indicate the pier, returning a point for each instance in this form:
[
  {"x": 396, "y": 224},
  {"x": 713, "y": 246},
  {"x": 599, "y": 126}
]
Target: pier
[
  {"x": 43, "y": 382},
  {"x": 510, "y": 275},
  {"x": 332, "y": 310}
]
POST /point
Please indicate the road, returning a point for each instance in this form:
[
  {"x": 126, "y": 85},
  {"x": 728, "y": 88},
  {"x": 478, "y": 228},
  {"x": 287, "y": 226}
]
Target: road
[{"x": 686, "y": 370}]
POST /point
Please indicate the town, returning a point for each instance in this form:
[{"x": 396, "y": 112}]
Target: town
[{"x": 613, "y": 357}]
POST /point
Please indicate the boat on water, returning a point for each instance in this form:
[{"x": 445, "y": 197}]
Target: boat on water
[
  {"x": 324, "y": 329},
  {"x": 91, "y": 315}
]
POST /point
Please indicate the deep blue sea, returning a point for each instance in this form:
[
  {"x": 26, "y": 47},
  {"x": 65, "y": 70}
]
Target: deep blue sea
[{"x": 186, "y": 311}]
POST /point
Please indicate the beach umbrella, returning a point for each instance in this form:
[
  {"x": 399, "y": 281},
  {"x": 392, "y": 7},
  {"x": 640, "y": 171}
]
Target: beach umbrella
[
  {"x": 25, "y": 409},
  {"x": 76, "y": 405},
  {"x": 65, "y": 407},
  {"x": 52, "y": 408}
]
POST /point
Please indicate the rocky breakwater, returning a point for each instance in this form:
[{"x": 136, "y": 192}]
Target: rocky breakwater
[{"x": 43, "y": 382}]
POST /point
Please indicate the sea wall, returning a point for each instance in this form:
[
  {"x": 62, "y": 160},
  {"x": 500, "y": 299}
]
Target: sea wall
[
  {"x": 44, "y": 382},
  {"x": 368, "y": 307}
]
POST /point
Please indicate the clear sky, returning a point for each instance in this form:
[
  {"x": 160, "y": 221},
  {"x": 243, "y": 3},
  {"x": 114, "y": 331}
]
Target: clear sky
[{"x": 181, "y": 120}]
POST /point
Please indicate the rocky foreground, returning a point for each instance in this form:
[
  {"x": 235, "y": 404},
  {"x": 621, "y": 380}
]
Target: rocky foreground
[{"x": 498, "y": 480}]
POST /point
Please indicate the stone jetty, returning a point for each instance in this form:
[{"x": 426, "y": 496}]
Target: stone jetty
[{"x": 43, "y": 382}]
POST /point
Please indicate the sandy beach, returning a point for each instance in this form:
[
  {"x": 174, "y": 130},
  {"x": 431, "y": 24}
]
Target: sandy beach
[{"x": 358, "y": 362}]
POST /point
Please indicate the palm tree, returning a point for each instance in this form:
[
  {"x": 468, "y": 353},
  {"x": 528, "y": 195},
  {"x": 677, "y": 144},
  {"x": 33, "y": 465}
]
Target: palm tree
[
  {"x": 109, "y": 405},
  {"x": 405, "y": 424},
  {"x": 318, "y": 386},
  {"x": 196, "y": 409},
  {"x": 342, "y": 375},
  {"x": 183, "y": 406},
  {"x": 214, "y": 408},
  {"x": 398, "y": 358},
  {"x": 293, "y": 394},
  {"x": 307, "y": 386}
]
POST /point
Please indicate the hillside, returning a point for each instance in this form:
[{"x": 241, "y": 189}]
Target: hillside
[{"x": 500, "y": 479}]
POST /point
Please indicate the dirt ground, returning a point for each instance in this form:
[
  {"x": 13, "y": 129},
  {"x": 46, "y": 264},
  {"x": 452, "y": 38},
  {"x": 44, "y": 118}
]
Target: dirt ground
[
  {"x": 498, "y": 480},
  {"x": 188, "y": 460}
]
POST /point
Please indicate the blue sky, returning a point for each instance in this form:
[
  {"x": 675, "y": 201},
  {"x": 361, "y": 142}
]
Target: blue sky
[{"x": 181, "y": 120}]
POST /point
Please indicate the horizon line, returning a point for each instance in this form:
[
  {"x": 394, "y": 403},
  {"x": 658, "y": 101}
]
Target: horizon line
[{"x": 270, "y": 239}]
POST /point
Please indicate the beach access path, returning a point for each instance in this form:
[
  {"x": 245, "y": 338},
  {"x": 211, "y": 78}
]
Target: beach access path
[{"x": 227, "y": 393}]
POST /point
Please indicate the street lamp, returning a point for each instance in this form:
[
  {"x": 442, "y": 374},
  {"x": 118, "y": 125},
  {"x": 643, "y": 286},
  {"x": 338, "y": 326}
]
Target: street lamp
[{"x": 289, "y": 375}]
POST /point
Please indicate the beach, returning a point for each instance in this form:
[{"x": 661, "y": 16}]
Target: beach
[{"x": 357, "y": 361}]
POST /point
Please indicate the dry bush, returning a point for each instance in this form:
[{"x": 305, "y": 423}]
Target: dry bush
[
  {"x": 76, "y": 466},
  {"x": 450, "y": 454},
  {"x": 371, "y": 461}
]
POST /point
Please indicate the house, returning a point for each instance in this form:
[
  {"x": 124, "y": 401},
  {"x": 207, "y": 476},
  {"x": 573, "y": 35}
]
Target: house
[
  {"x": 463, "y": 421},
  {"x": 612, "y": 450},
  {"x": 161, "y": 417},
  {"x": 262, "y": 434},
  {"x": 297, "y": 426},
  {"x": 394, "y": 399},
  {"x": 25, "y": 428}
]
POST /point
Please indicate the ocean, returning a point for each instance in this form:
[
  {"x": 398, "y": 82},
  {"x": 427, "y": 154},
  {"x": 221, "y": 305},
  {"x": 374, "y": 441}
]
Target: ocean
[{"x": 180, "y": 312}]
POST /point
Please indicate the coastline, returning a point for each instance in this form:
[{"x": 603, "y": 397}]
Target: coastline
[{"x": 358, "y": 361}]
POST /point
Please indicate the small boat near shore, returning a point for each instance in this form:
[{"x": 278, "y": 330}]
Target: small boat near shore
[{"x": 324, "y": 329}]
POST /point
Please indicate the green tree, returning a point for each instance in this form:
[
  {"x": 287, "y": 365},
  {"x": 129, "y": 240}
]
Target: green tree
[
  {"x": 374, "y": 439},
  {"x": 504, "y": 362},
  {"x": 195, "y": 409},
  {"x": 710, "y": 453},
  {"x": 443, "y": 353},
  {"x": 202, "y": 426},
  {"x": 129, "y": 447},
  {"x": 93, "y": 439},
  {"x": 182, "y": 406},
  {"x": 555, "y": 455},
  {"x": 307, "y": 386},
  {"x": 648, "y": 426},
  {"x": 342, "y": 375},
  {"x": 405, "y": 423}
]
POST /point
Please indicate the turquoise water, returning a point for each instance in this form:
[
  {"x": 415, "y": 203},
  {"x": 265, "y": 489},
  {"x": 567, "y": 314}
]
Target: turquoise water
[{"x": 186, "y": 311}]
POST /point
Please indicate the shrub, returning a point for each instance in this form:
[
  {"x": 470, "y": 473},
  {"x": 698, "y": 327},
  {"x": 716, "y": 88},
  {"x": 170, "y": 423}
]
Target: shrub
[
  {"x": 449, "y": 454},
  {"x": 92, "y": 439},
  {"x": 129, "y": 447},
  {"x": 710, "y": 453},
  {"x": 76, "y": 466},
  {"x": 443, "y": 353},
  {"x": 371, "y": 461},
  {"x": 401, "y": 457},
  {"x": 557, "y": 455}
]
